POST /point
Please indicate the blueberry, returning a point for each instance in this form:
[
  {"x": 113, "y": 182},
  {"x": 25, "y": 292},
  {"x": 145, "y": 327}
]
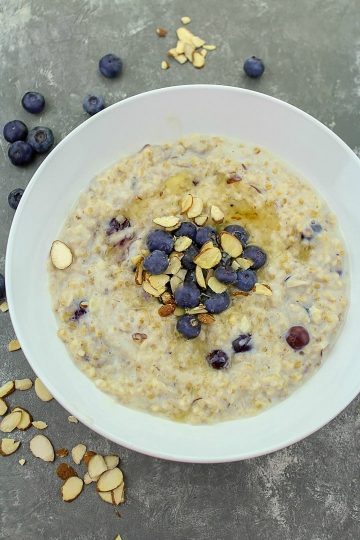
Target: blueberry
[
  {"x": 160, "y": 240},
  {"x": 225, "y": 275},
  {"x": 156, "y": 263},
  {"x": 187, "y": 295},
  {"x": 204, "y": 234},
  {"x": 188, "y": 257},
  {"x": 242, "y": 343},
  {"x": 189, "y": 326},
  {"x": 316, "y": 227},
  {"x": 110, "y": 66},
  {"x": 93, "y": 104},
  {"x": 14, "y": 197},
  {"x": 33, "y": 102},
  {"x": 187, "y": 229},
  {"x": 2, "y": 287},
  {"x": 246, "y": 280},
  {"x": 218, "y": 359},
  {"x": 240, "y": 233},
  {"x": 15, "y": 131},
  {"x": 297, "y": 337},
  {"x": 115, "y": 226},
  {"x": 190, "y": 277},
  {"x": 78, "y": 313},
  {"x": 254, "y": 67},
  {"x": 20, "y": 153},
  {"x": 41, "y": 139},
  {"x": 256, "y": 255},
  {"x": 217, "y": 303}
]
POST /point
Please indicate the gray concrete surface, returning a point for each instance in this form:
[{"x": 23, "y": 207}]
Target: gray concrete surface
[{"x": 309, "y": 491}]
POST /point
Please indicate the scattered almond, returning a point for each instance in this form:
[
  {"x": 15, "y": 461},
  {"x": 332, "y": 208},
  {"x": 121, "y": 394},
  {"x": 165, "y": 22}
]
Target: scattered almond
[
  {"x": 39, "y": 424},
  {"x": 199, "y": 274},
  {"x": 41, "y": 447},
  {"x": 166, "y": 310},
  {"x": 206, "y": 246},
  {"x": 181, "y": 58},
  {"x": 10, "y": 421},
  {"x": 244, "y": 264},
  {"x": 14, "y": 345},
  {"x": 216, "y": 285},
  {"x": 209, "y": 47},
  {"x": 161, "y": 32},
  {"x": 111, "y": 461},
  {"x": 203, "y": 52},
  {"x": 167, "y": 298},
  {"x": 4, "y": 307},
  {"x": 115, "y": 497},
  {"x": 78, "y": 452},
  {"x": 201, "y": 220},
  {"x": 3, "y": 407},
  {"x": 23, "y": 384},
  {"x": 198, "y": 60},
  {"x": 196, "y": 208},
  {"x": 61, "y": 255},
  {"x": 174, "y": 264},
  {"x": 106, "y": 496},
  {"x": 185, "y": 20},
  {"x": 62, "y": 452},
  {"x": 72, "y": 419},
  {"x": 182, "y": 243},
  {"x": 189, "y": 51},
  {"x": 185, "y": 35},
  {"x": 8, "y": 446},
  {"x": 175, "y": 281},
  {"x": 186, "y": 203},
  {"x": 22, "y": 461},
  {"x": 167, "y": 221},
  {"x": 159, "y": 281},
  {"x": 261, "y": 288},
  {"x": 65, "y": 471},
  {"x": 151, "y": 290},
  {"x": 139, "y": 272},
  {"x": 87, "y": 479},
  {"x": 7, "y": 389},
  {"x": 196, "y": 310},
  {"x": 216, "y": 214},
  {"x": 180, "y": 47},
  {"x": 198, "y": 42},
  {"x": 209, "y": 258},
  {"x": 165, "y": 65},
  {"x": 25, "y": 419},
  {"x": 97, "y": 466},
  {"x": 230, "y": 244},
  {"x": 41, "y": 391},
  {"x": 88, "y": 455},
  {"x": 110, "y": 480},
  {"x": 72, "y": 488},
  {"x": 206, "y": 318}
]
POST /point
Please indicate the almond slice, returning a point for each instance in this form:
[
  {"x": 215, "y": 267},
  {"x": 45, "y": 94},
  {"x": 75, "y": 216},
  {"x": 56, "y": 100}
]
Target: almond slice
[
  {"x": 189, "y": 51},
  {"x": 197, "y": 42},
  {"x": 96, "y": 466},
  {"x": 62, "y": 452},
  {"x": 139, "y": 272},
  {"x": 88, "y": 479},
  {"x": 41, "y": 391},
  {"x": 165, "y": 64},
  {"x": 159, "y": 281},
  {"x": 181, "y": 58},
  {"x": 206, "y": 318},
  {"x": 8, "y": 446},
  {"x": 209, "y": 47},
  {"x": 10, "y": 421},
  {"x": 186, "y": 203},
  {"x": 180, "y": 47},
  {"x": 216, "y": 285},
  {"x": 61, "y": 255},
  {"x": 182, "y": 243},
  {"x": 88, "y": 455},
  {"x": 4, "y": 307},
  {"x": 23, "y": 384},
  {"x": 65, "y": 471},
  {"x": 173, "y": 53},
  {"x": 196, "y": 208},
  {"x": 174, "y": 264},
  {"x": 207, "y": 245},
  {"x": 201, "y": 220},
  {"x": 230, "y": 244},
  {"x": 111, "y": 461},
  {"x": 22, "y": 461},
  {"x": 25, "y": 419},
  {"x": 198, "y": 60},
  {"x": 118, "y": 495},
  {"x": 185, "y": 35},
  {"x": 244, "y": 264},
  {"x": 203, "y": 52},
  {"x": 78, "y": 452},
  {"x": 294, "y": 282},
  {"x": 216, "y": 214},
  {"x": 263, "y": 289},
  {"x": 14, "y": 345},
  {"x": 7, "y": 389},
  {"x": 196, "y": 310},
  {"x": 209, "y": 258},
  {"x": 3, "y": 407},
  {"x": 175, "y": 281},
  {"x": 110, "y": 480},
  {"x": 106, "y": 496},
  {"x": 185, "y": 20},
  {"x": 72, "y": 488},
  {"x": 166, "y": 310},
  {"x": 41, "y": 447},
  {"x": 167, "y": 221},
  {"x": 72, "y": 419},
  {"x": 39, "y": 424},
  {"x": 199, "y": 274}
]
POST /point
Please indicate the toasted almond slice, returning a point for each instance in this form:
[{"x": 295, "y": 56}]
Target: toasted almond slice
[
  {"x": 174, "y": 264},
  {"x": 216, "y": 285},
  {"x": 199, "y": 274},
  {"x": 209, "y": 47},
  {"x": 240, "y": 293},
  {"x": 207, "y": 245},
  {"x": 78, "y": 452},
  {"x": 263, "y": 289},
  {"x": 185, "y": 35},
  {"x": 8, "y": 446},
  {"x": 62, "y": 452},
  {"x": 180, "y": 47},
  {"x": 167, "y": 221},
  {"x": 230, "y": 244},
  {"x": 294, "y": 282},
  {"x": 41, "y": 447},
  {"x": 175, "y": 281},
  {"x": 111, "y": 461},
  {"x": 118, "y": 494},
  {"x": 198, "y": 60},
  {"x": 25, "y": 418},
  {"x": 196, "y": 208},
  {"x": 65, "y": 471},
  {"x": 206, "y": 318},
  {"x": 7, "y": 389},
  {"x": 14, "y": 345},
  {"x": 161, "y": 32},
  {"x": 244, "y": 264},
  {"x": 201, "y": 220},
  {"x": 4, "y": 307},
  {"x": 189, "y": 51},
  {"x": 165, "y": 64},
  {"x": 167, "y": 298},
  {"x": 159, "y": 281},
  {"x": 245, "y": 325},
  {"x": 136, "y": 259},
  {"x": 179, "y": 311},
  {"x": 23, "y": 384},
  {"x": 196, "y": 310},
  {"x": 22, "y": 461},
  {"x": 197, "y": 42},
  {"x": 150, "y": 290},
  {"x": 182, "y": 243},
  {"x": 39, "y": 424},
  {"x": 61, "y": 255},
  {"x": 41, "y": 391},
  {"x": 216, "y": 214},
  {"x": 72, "y": 488},
  {"x": 209, "y": 258},
  {"x": 10, "y": 421},
  {"x": 181, "y": 58},
  {"x": 96, "y": 466},
  {"x": 186, "y": 203},
  {"x": 173, "y": 53},
  {"x": 166, "y": 310},
  {"x": 88, "y": 455},
  {"x": 139, "y": 272},
  {"x": 110, "y": 480},
  {"x": 72, "y": 419},
  {"x": 3, "y": 407},
  {"x": 185, "y": 20},
  {"x": 88, "y": 479}
]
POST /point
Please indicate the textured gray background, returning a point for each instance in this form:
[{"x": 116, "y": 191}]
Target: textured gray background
[{"x": 312, "y": 55}]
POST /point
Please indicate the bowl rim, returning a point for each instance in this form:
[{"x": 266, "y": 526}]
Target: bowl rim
[{"x": 9, "y": 269}]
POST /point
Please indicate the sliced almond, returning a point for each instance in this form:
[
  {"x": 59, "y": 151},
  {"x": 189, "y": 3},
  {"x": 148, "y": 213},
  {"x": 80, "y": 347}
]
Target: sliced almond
[
  {"x": 209, "y": 258},
  {"x": 72, "y": 419},
  {"x": 65, "y": 471},
  {"x": 167, "y": 298},
  {"x": 4, "y": 307},
  {"x": 96, "y": 466},
  {"x": 118, "y": 495},
  {"x": 207, "y": 245},
  {"x": 78, "y": 452},
  {"x": 88, "y": 479},
  {"x": 198, "y": 60},
  {"x": 3, "y": 407},
  {"x": 138, "y": 337},
  {"x": 10, "y": 421},
  {"x": 23, "y": 384},
  {"x": 216, "y": 285},
  {"x": 173, "y": 53},
  {"x": 174, "y": 264},
  {"x": 165, "y": 64},
  {"x": 166, "y": 310},
  {"x": 110, "y": 480},
  {"x": 182, "y": 243},
  {"x": 61, "y": 255},
  {"x": 106, "y": 496},
  {"x": 7, "y": 389},
  {"x": 118, "y": 537},
  {"x": 206, "y": 318},
  {"x": 294, "y": 282},
  {"x": 209, "y": 275},
  {"x": 199, "y": 274},
  {"x": 161, "y": 32},
  {"x": 209, "y": 47},
  {"x": 185, "y": 35},
  {"x": 244, "y": 264},
  {"x": 151, "y": 290},
  {"x": 197, "y": 42},
  {"x": 185, "y": 20},
  {"x": 111, "y": 461},
  {"x": 181, "y": 58},
  {"x": 175, "y": 281},
  {"x": 14, "y": 345},
  {"x": 39, "y": 424},
  {"x": 189, "y": 51},
  {"x": 203, "y": 52},
  {"x": 196, "y": 310},
  {"x": 72, "y": 488},
  {"x": 41, "y": 447},
  {"x": 235, "y": 265},
  {"x": 167, "y": 221},
  {"x": 181, "y": 274},
  {"x": 230, "y": 244},
  {"x": 25, "y": 419},
  {"x": 41, "y": 391},
  {"x": 8, "y": 446},
  {"x": 186, "y": 203},
  {"x": 263, "y": 289},
  {"x": 88, "y": 455},
  {"x": 139, "y": 272},
  {"x": 22, "y": 461},
  {"x": 196, "y": 208},
  {"x": 216, "y": 214},
  {"x": 201, "y": 220},
  {"x": 61, "y": 452},
  {"x": 180, "y": 47}
]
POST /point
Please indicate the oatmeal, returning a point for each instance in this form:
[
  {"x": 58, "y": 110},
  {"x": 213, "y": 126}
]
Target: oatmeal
[{"x": 206, "y": 281}]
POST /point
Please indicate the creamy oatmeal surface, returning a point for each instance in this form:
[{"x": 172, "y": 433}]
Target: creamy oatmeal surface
[{"x": 112, "y": 327}]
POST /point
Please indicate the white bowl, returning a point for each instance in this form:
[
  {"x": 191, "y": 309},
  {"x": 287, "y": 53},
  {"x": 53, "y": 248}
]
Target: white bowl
[{"x": 156, "y": 117}]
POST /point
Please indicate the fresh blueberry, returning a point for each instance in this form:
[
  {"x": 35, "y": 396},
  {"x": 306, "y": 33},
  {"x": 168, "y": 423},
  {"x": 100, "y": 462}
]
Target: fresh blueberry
[
  {"x": 204, "y": 234},
  {"x": 187, "y": 295},
  {"x": 78, "y": 313},
  {"x": 225, "y": 275},
  {"x": 254, "y": 67},
  {"x": 187, "y": 229},
  {"x": 218, "y": 359},
  {"x": 240, "y": 233},
  {"x": 188, "y": 257},
  {"x": 15, "y": 131},
  {"x": 33, "y": 102},
  {"x": 41, "y": 139},
  {"x": 297, "y": 337},
  {"x": 316, "y": 227},
  {"x": 242, "y": 343},
  {"x": 14, "y": 197},
  {"x": 189, "y": 326},
  {"x": 256, "y": 255},
  {"x": 20, "y": 153},
  {"x": 217, "y": 303},
  {"x": 160, "y": 240},
  {"x": 246, "y": 280},
  {"x": 2, "y": 287},
  {"x": 93, "y": 104},
  {"x": 190, "y": 277},
  {"x": 110, "y": 66},
  {"x": 156, "y": 263}
]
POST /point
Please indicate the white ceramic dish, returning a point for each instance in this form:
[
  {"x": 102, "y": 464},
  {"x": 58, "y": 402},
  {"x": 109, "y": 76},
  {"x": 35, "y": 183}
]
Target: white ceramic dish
[{"x": 154, "y": 117}]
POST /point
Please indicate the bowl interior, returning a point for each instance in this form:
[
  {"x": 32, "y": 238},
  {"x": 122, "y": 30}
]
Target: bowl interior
[{"x": 156, "y": 117}]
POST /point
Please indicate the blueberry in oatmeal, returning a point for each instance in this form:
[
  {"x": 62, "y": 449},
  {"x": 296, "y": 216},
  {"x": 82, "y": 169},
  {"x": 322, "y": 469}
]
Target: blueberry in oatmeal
[
  {"x": 160, "y": 240},
  {"x": 256, "y": 255},
  {"x": 187, "y": 228},
  {"x": 204, "y": 234},
  {"x": 240, "y": 233},
  {"x": 156, "y": 263},
  {"x": 187, "y": 260},
  {"x": 297, "y": 337},
  {"x": 117, "y": 224},
  {"x": 217, "y": 303},
  {"x": 218, "y": 359},
  {"x": 242, "y": 343},
  {"x": 187, "y": 296},
  {"x": 246, "y": 280},
  {"x": 189, "y": 326},
  {"x": 225, "y": 275}
]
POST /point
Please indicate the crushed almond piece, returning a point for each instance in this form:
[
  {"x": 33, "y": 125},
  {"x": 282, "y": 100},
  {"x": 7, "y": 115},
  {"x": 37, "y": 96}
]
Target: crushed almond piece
[
  {"x": 198, "y": 60},
  {"x": 22, "y": 461},
  {"x": 263, "y": 289},
  {"x": 139, "y": 337},
  {"x": 209, "y": 47},
  {"x": 161, "y": 32},
  {"x": 185, "y": 20},
  {"x": 206, "y": 318},
  {"x": 4, "y": 307},
  {"x": 165, "y": 65},
  {"x": 62, "y": 452},
  {"x": 72, "y": 419},
  {"x": 14, "y": 345},
  {"x": 181, "y": 58},
  {"x": 39, "y": 424},
  {"x": 65, "y": 471}
]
